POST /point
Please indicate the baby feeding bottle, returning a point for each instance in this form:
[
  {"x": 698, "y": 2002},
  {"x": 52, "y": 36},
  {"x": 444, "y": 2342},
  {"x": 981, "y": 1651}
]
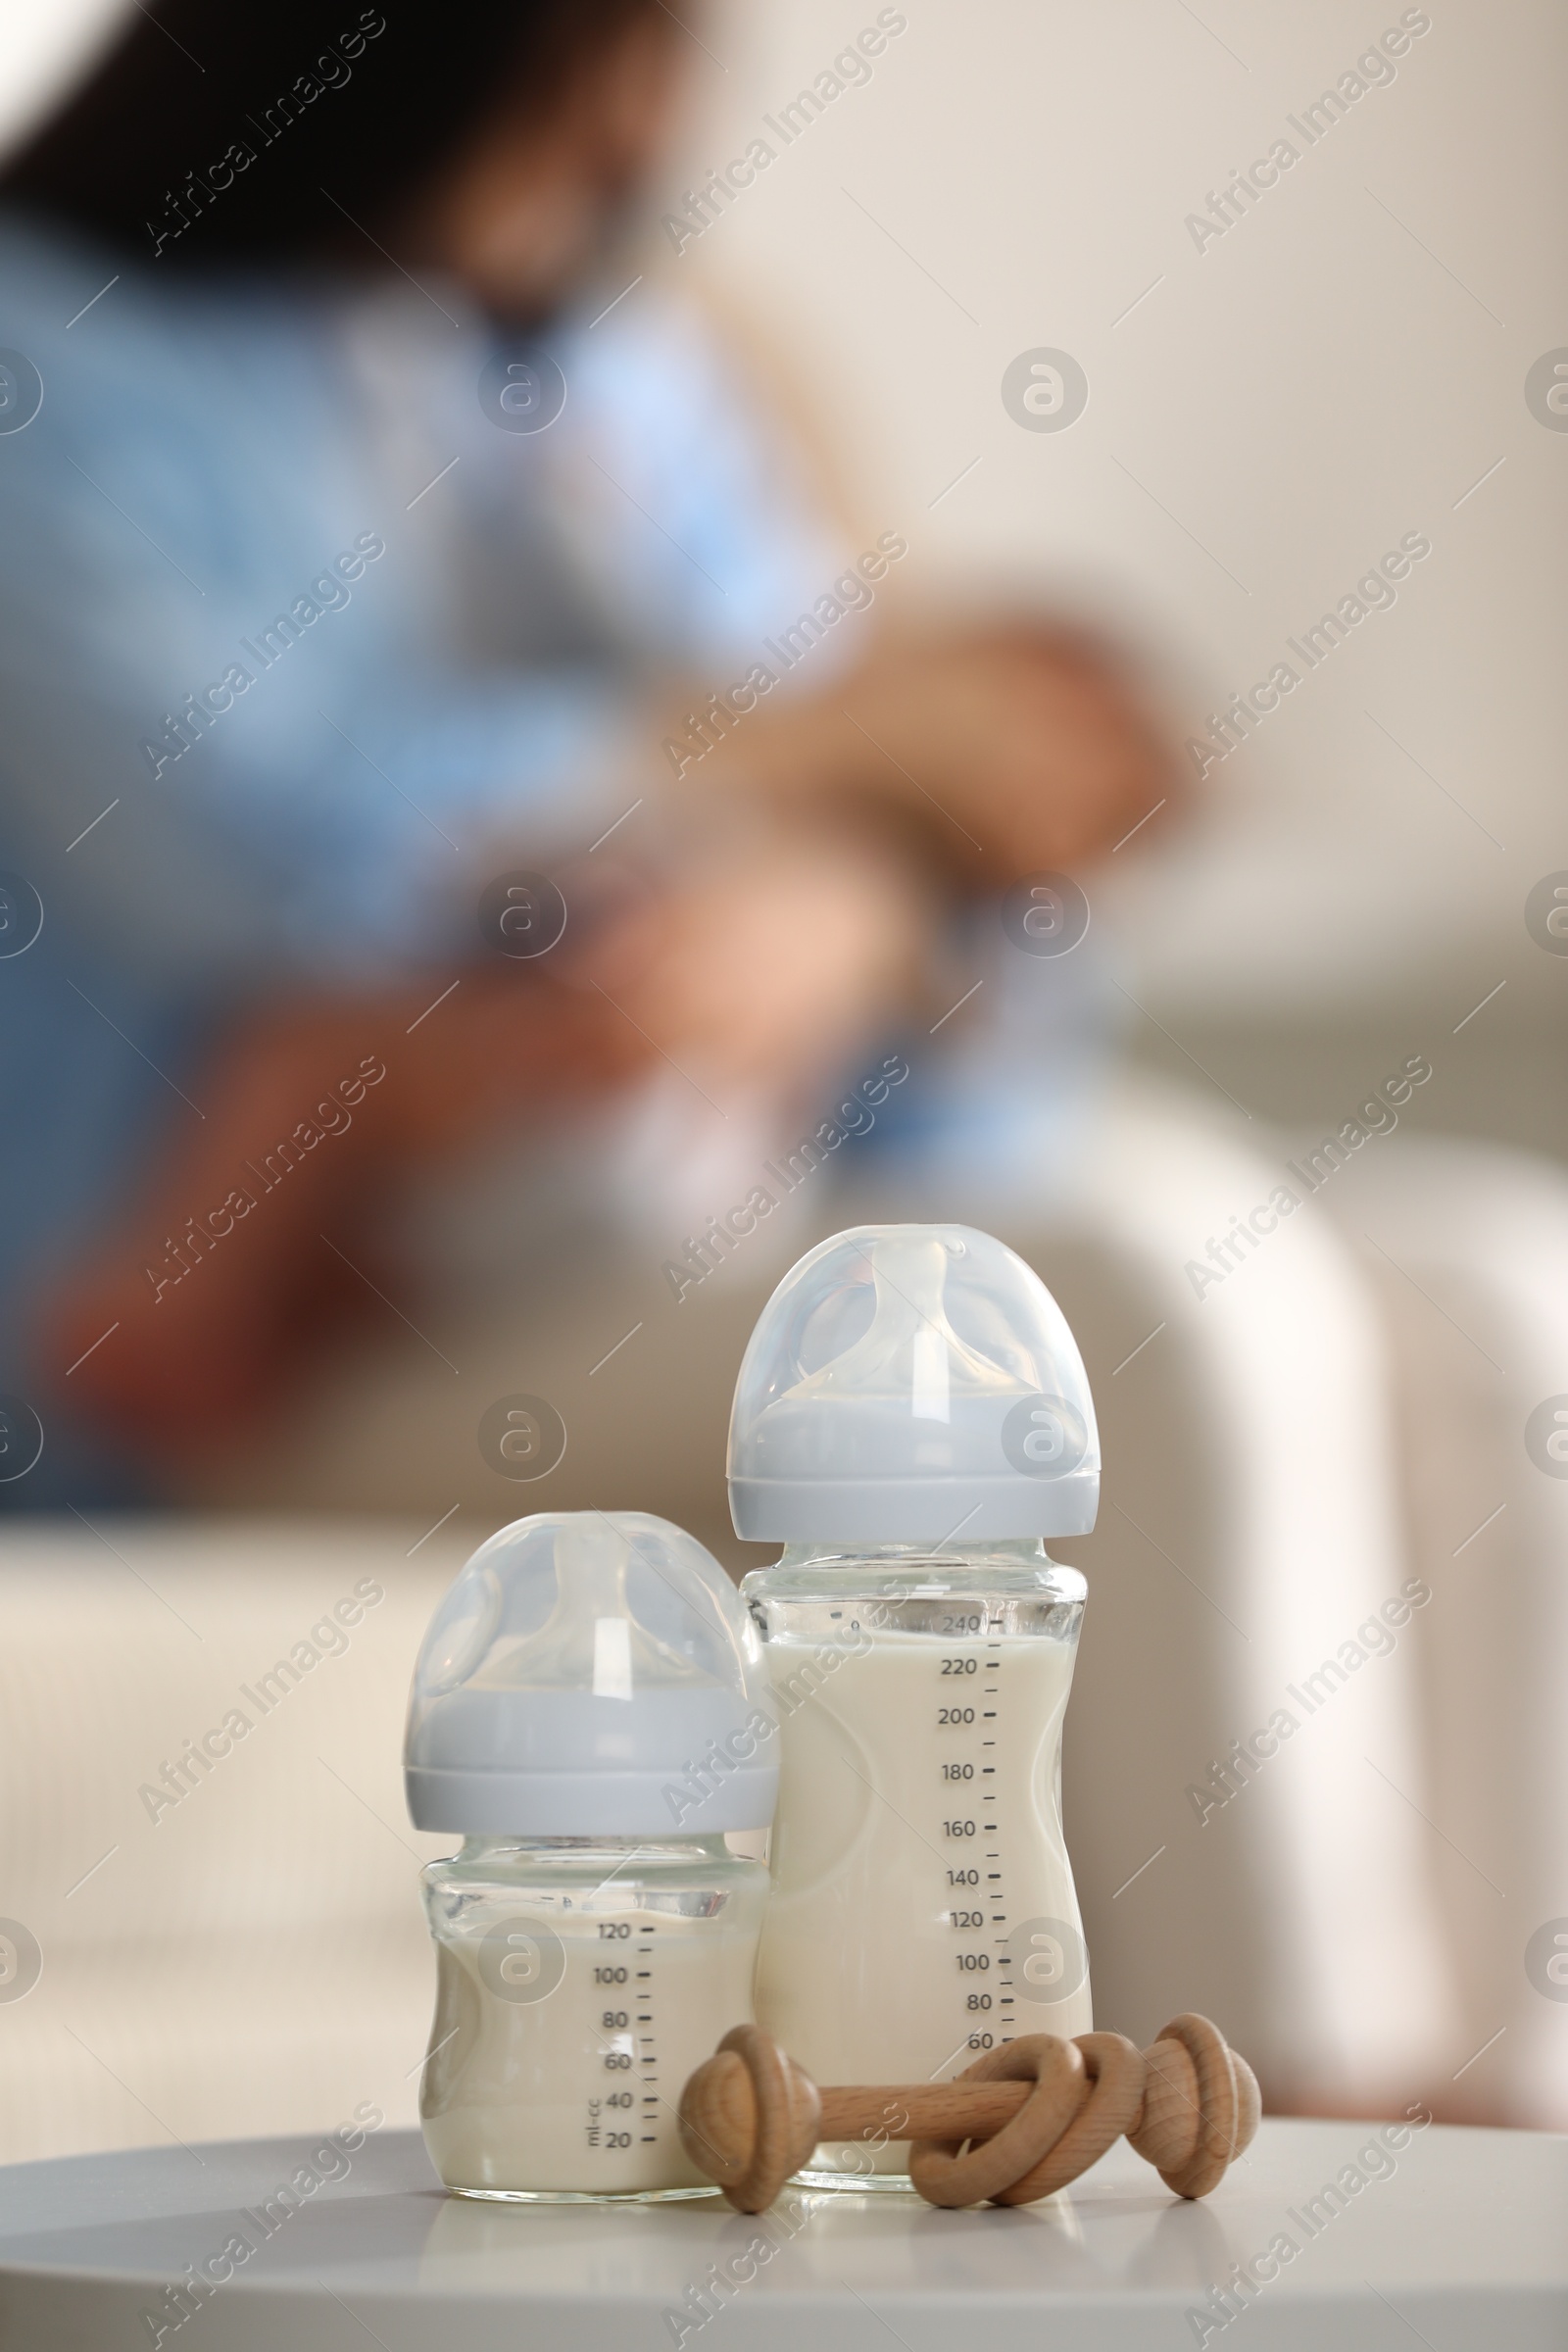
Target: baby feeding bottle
[
  {"x": 588, "y": 1711},
  {"x": 911, "y": 1419}
]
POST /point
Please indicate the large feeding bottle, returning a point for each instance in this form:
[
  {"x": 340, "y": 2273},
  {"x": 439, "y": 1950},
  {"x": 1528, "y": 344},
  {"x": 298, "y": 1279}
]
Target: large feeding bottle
[
  {"x": 585, "y": 1711},
  {"x": 911, "y": 1419}
]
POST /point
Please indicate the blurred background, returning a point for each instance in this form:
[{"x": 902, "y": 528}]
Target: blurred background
[
  {"x": 1338, "y": 367},
  {"x": 993, "y": 300}
]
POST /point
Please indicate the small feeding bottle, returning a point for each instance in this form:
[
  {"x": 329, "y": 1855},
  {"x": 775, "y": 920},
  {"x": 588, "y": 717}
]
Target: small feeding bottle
[
  {"x": 911, "y": 1419},
  {"x": 588, "y": 1711}
]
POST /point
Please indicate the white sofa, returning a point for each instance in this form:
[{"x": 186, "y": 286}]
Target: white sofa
[{"x": 1284, "y": 1456}]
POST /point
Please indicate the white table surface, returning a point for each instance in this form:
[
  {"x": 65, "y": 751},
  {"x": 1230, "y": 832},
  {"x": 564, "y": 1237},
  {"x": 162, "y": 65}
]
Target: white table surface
[{"x": 1465, "y": 2245}]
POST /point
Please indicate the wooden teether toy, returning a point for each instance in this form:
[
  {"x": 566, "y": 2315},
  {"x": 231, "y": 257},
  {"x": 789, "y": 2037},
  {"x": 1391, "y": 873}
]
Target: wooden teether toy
[{"x": 1026, "y": 2119}]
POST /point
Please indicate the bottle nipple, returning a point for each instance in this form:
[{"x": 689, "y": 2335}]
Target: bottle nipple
[
  {"x": 910, "y": 1349},
  {"x": 591, "y": 1639},
  {"x": 569, "y": 1676},
  {"x": 907, "y": 1381}
]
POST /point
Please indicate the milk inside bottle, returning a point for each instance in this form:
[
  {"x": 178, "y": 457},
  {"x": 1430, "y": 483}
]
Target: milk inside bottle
[
  {"x": 595, "y": 1935},
  {"x": 911, "y": 1419}
]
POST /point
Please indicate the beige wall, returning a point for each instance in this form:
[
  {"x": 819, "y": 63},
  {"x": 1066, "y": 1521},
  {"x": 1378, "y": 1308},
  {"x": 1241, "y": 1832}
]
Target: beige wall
[{"x": 1336, "y": 370}]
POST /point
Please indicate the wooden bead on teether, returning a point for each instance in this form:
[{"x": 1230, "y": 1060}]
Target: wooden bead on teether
[
  {"x": 1200, "y": 2105},
  {"x": 749, "y": 2117}
]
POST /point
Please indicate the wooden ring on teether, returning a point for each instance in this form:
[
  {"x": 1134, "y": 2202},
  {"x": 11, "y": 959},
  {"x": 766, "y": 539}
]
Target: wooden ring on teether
[
  {"x": 1115, "y": 2070},
  {"x": 1062, "y": 2085}
]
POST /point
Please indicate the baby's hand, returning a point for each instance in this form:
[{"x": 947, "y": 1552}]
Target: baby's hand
[
  {"x": 1010, "y": 749},
  {"x": 771, "y": 959}
]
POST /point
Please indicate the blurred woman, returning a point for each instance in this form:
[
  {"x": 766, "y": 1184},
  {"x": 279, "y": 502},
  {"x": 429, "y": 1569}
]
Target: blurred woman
[{"x": 375, "y": 549}]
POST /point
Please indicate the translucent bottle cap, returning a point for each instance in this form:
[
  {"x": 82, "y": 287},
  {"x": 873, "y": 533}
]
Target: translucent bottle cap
[
  {"x": 911, "y": 1383},
  {"x": 590, "y": 1673}
]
